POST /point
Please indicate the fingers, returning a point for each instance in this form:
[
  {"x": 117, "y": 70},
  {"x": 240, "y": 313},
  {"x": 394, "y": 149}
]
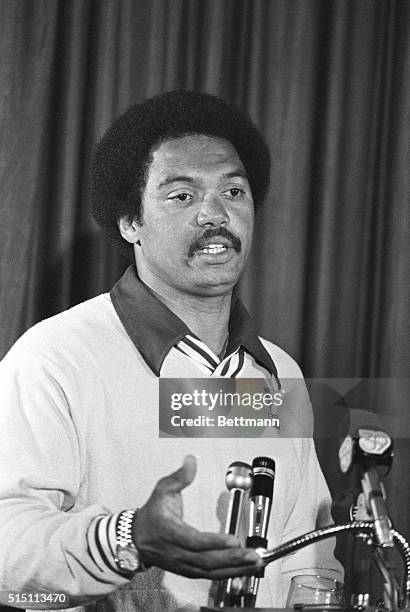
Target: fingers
[
  {"x": 189, "y": 538},
  {"x": 215, "y": 564},
  {"x": 179, "y": 479},
  {"x": 214, "y": 560},
  {"x": 165, "y": 540},
  {"x": 216, "y": 574}
]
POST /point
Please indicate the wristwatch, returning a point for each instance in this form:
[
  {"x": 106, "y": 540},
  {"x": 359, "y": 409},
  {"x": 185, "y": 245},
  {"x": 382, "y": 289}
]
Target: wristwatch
[{"x": 127, "y": 556}]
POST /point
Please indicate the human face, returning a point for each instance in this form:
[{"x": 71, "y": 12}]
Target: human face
[{"x": 197, "y": 220}]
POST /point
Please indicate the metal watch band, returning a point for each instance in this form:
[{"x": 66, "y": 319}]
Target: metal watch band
[
  {"x": 124, "y": 528},
  {"x": 127, "y": 557}
]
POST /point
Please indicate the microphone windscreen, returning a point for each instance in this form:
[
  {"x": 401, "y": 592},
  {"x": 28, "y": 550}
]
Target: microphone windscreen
[{"x": 263, "y": 477}]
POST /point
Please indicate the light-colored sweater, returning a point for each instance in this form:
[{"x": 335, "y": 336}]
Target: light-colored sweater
[{"x": 79, "y": 438}]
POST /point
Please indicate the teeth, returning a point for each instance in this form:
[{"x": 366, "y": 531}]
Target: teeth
[{"x": 214, "y": 248}]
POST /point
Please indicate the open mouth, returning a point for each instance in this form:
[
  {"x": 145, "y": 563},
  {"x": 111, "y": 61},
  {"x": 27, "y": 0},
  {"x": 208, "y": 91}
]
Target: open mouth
[
  {"x": 213, "y": 249},
  {"x": 215, "y": 241}
]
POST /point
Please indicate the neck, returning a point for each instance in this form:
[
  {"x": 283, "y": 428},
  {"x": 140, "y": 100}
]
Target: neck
[{"x": 206, "y": 316}]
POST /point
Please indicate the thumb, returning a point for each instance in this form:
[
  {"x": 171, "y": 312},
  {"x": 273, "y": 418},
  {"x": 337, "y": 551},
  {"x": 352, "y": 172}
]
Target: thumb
[{"x": 181, "y": 478}]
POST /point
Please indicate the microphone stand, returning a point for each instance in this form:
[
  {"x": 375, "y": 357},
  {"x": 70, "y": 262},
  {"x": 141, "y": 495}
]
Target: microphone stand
[
  {"x": 362, "y": 558},
  {"x": 403, "y": 594},
  {"x": 366, "y": 551},
  {"x": 392, "y": 588},
  {"x": 368, "y": 448}
]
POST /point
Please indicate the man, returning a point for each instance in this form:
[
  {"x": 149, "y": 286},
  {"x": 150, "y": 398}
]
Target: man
[{"x": 175, "y": 180}]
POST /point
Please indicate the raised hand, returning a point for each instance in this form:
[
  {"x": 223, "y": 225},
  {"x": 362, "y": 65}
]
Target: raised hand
[{"x": 165, "y": 540}]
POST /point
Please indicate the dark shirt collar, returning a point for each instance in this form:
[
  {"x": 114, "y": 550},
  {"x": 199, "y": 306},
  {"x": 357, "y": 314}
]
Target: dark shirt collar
[{"x": 155, "y": 329}]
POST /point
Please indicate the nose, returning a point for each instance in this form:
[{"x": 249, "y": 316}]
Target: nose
[{"x": 212, "y": 212}]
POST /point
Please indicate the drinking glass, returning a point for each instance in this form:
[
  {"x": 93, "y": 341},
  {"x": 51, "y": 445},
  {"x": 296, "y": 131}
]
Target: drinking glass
[{"x": 318, "y": 590}]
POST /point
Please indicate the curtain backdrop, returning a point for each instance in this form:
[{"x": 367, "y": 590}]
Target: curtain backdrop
[{"x": 327, "y": 81}]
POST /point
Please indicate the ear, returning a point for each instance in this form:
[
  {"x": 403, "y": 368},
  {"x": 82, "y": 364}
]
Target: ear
[{"x": 129, "y": 229}]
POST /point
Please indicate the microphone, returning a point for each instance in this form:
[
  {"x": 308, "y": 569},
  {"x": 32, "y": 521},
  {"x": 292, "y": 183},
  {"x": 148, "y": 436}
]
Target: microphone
[
  {"x": 260, "y": 496},
  {"x": 368, "y": 446},
  {"x": 238, "y": 480}
]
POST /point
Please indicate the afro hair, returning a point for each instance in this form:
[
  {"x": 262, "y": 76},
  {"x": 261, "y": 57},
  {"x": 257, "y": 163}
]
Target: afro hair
[{"x": 121, "y": 159}]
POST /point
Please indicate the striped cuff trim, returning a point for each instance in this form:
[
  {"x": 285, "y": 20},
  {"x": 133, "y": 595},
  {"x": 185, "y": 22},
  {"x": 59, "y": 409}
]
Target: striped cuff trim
[{"x": 102, "y": 542}]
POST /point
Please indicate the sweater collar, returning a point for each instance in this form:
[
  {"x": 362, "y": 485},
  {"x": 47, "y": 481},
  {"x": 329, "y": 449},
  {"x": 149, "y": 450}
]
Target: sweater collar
[{"x": 155, "y": 329}]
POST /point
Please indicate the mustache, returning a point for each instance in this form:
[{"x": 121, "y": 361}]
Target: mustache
[{"x": 216, "y": 232}]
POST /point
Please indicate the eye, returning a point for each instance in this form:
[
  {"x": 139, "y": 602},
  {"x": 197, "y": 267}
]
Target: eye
[
  {"x": 234, "y": 192},
  {"x": 181, "y": 197}
]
